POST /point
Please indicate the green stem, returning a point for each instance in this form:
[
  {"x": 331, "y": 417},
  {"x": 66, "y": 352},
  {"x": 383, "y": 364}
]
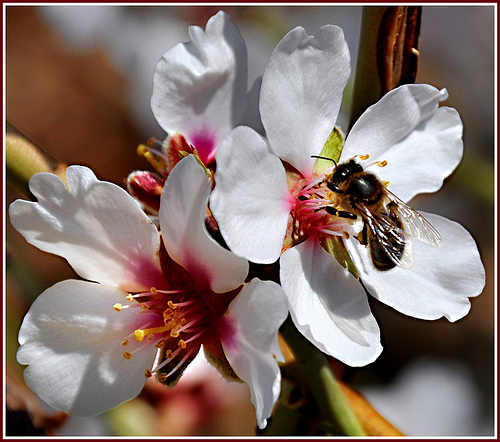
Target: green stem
[{"x": 319, "y": 380}]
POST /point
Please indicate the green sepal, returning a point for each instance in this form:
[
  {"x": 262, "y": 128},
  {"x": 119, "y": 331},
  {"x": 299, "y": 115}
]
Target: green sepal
[
  {"x": 335, "y": 246},
  {"x": 216, "y": 356},
  {"x": 332, "y": 150}
]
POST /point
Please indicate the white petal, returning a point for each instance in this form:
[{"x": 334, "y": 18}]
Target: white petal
[
  {"x": 251, "y": 201},
  {"x": 301, "y": 93},
  {"x": 421, "y": 143},
  {"x": 199, "y": 87},
  {"x": 96, "y": 226},
  {"x": 71, "y": 341},
  {"x": 328, "y": 305},
  {"x": 250, "y": 342},
  {"x": 440, "y": 280},
  {"x": 182, "y": 219}
]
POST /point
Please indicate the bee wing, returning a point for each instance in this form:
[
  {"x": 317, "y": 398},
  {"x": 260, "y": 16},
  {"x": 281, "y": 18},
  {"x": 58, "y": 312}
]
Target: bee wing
[
  {"x": 391, "y": 237},
  {"x": 415, "y": 223}
]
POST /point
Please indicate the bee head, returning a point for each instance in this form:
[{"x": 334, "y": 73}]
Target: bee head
[{"x": 344, "y": 171}]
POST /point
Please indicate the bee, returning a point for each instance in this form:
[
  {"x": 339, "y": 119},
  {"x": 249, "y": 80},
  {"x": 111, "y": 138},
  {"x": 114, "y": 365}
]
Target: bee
[{"x": 389, "y": 224}]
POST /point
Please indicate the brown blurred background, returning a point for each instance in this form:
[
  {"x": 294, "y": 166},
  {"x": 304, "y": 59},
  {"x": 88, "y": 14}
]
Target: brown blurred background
[{"x": 78, "y": 83}]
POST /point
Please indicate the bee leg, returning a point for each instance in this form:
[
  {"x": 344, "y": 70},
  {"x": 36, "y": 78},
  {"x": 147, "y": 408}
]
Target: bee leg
[
  {"x": 340, "y": 213},
  {"x": 333, "y": 187}
]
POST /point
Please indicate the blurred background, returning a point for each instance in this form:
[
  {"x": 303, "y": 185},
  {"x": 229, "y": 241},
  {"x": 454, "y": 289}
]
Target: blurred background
[{"x": 78, "y": 81}]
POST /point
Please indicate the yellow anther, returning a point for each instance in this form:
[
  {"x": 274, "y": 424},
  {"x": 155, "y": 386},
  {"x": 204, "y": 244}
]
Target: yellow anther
[
  {"x": 130, "y": 297},
  {"x": 171, "y": 305},
  {"x": 363, "y": 157},
  {"x": 127, "y": 354},
  {"x": 148, "y": 373},
  {"x": 117, "y": 306},
  {"x": 162, "y": 377},
  {"x": 142, "y": 149},
  {"x": 168, "y": 354},
  {"x": 382, "y": 163},
  {"x": 153, "y": 290},
  {"x": 145, "y": 306},
  {"x": 151, "y": 142},
  {"x": 150, "y": 337},
  {"x": 125, "y": 342},
  {"x": 174, "y": 334},
  {"x": 386, "y": 183},
  {"x": 182, "y": 343}
]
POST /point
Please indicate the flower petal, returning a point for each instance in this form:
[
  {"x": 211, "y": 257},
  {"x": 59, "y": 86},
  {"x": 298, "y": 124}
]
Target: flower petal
[
  {"x": 251, "y": 201},
  {"x": 408, "y": 130},
  {"x": 96, "y": 226},
  {"x": 199, "y": 87},
  {"x": 250, "y": 340},
  {"x": 301, "y": 93},
  {"x": 328, "y": 305},
  {"x": 182, "y": 219},
  {"x": 71, "y": 341},
  {"x": 440, "y": 280}
]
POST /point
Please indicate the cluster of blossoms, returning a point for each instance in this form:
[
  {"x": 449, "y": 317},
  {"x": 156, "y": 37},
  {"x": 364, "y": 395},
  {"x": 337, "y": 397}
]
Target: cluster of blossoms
[{"x": 154, "y": 294}]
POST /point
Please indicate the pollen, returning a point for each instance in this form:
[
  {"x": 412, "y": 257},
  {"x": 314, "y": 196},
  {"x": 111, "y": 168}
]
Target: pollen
[
  {"x": 162, "y": 377},
  {"x": 171, "y": 305},
  {"x": 127, "y": 354},
  {"x": 117, "y": 307}
]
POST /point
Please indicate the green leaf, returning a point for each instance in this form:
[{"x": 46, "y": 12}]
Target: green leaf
[
  {"x": 330, "y": 153},
  {"x": 335, "y": 246}
]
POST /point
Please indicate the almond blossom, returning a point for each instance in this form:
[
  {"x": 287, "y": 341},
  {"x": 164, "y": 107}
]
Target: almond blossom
[
  {"x": 148, "y": 301},
  {"x": 199, "y": 95},
  {"x": 271, "y": 198}
]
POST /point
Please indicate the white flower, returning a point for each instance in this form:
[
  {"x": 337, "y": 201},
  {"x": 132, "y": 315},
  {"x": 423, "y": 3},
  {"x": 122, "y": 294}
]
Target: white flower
[
  {"x": 147, "y": 305},
  {"x": 268, "y": 191},
  {"x": 200, "y": 87}
]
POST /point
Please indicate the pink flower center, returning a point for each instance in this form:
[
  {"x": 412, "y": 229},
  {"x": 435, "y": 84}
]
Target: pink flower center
[
  {"x": 309, "y": 216},
  {"x": 176, "y": 320}
]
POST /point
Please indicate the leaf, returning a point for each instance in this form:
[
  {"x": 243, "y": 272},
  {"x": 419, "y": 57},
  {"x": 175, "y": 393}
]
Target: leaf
[
  {"x": 330, "y": 154},
  {"x": 335, "y": 246}
]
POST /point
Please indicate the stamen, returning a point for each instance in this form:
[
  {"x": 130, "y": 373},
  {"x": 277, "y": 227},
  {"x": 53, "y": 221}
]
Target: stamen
[
  {"x": 189, "y": 353},
  {"x": 197, "y": 335},
  {"x": 148, "y": 373},
  {"x": 117, "y": 307},
  {"x": 171, "y": 305},
  {"x": 127, "y": 354},
  {"x": 125, "y": 342},
  {"x": 169, "y": 355}
]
